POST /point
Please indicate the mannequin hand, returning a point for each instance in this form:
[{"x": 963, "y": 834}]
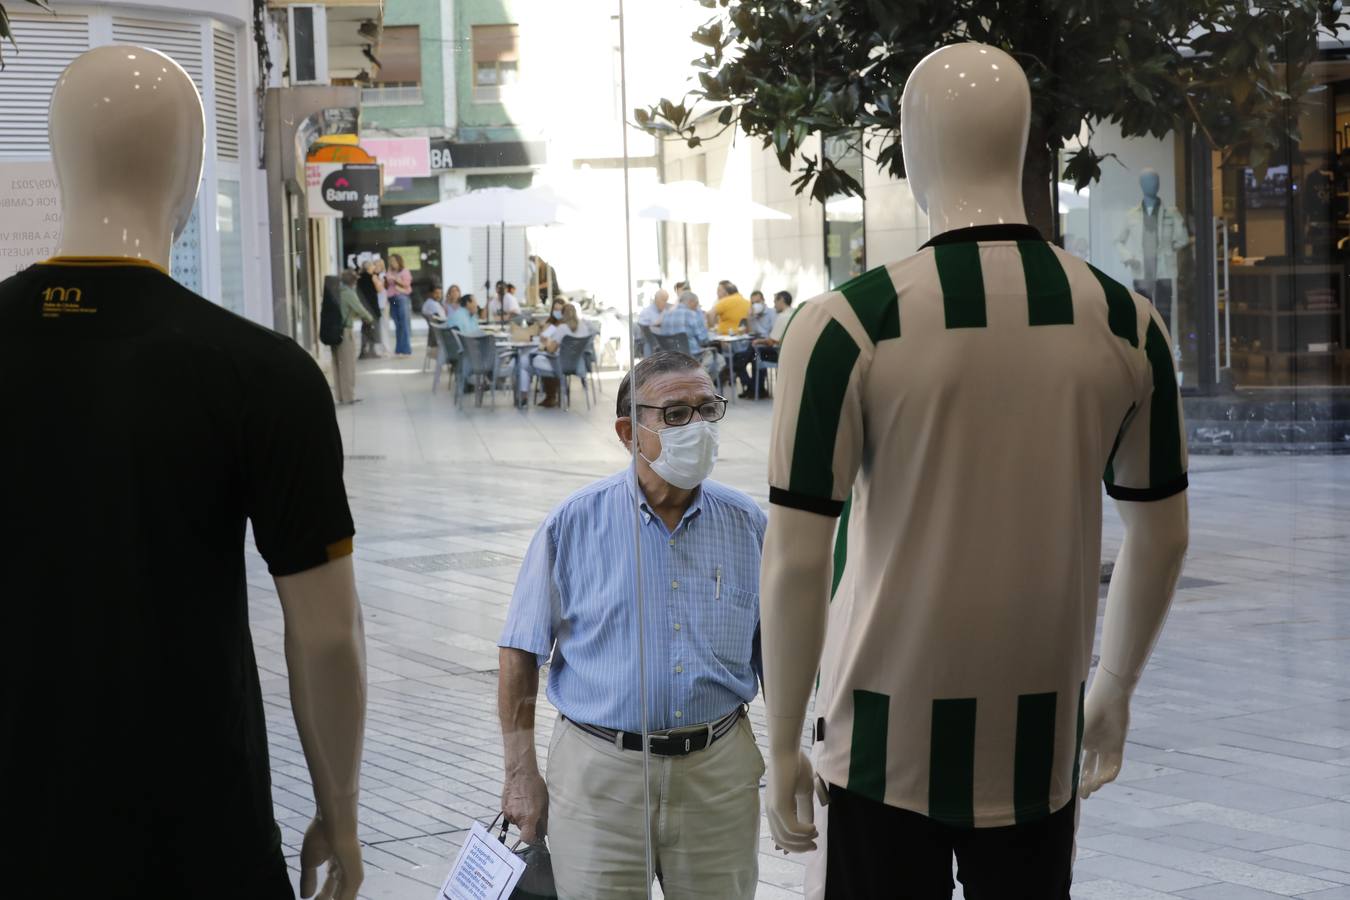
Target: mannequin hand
[
  {"x": 1135, "y": 265},
  {"x": 525, "y": 803},
  {"x": 343, "y": 853},
  {"x": 1106, "y": 720},
  {"x": 791, "y": 813}
]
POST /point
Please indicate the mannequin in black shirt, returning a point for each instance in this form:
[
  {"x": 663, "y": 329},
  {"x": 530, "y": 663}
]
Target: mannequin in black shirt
[{"x": 128, "y": 686}]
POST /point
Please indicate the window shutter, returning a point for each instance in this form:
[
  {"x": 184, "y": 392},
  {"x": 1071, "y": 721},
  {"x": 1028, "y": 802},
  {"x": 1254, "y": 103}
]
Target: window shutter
[
  {"x": 225, "y": 78},
  {"x": 47, "y": 44},
  {"x": 400, "y": 55},
  {"x": 180, "y": 41},
  {"x": 496, "y": 43}
]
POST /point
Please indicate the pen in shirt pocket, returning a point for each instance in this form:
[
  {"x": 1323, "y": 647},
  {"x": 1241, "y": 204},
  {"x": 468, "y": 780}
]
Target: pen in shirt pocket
[{"x": 718, "y": 595}]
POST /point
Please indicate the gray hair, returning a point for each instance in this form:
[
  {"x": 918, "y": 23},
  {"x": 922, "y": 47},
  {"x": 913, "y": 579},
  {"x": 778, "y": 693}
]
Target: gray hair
[
  {"x": 654, "y": 366},
  {"x": 689, "y": 298}
]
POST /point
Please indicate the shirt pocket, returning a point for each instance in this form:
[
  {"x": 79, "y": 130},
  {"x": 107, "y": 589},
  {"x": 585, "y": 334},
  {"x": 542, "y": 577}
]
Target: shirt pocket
[{"x": 731, "y": 625}]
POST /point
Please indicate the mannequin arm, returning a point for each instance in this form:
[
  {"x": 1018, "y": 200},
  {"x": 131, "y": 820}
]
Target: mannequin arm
[
  {"x": 1137, "y": 602},
  {"x": 1123, "y": 244},
  {"x": 1181, "y": 235},
  {"x": 794, "y": 609},
  {"x": 326, "y": 659}
]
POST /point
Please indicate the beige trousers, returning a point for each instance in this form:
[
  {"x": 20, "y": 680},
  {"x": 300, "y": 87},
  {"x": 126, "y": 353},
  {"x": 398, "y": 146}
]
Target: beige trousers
[
  {"x": 344, "y": 367},
  {"x": 704, "y": 818}
]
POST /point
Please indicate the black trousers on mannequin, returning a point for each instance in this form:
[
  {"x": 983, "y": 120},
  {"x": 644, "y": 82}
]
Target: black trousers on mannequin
[
  {"x": 879, "y": 852},
  {"x": 1160, "y": 293}
]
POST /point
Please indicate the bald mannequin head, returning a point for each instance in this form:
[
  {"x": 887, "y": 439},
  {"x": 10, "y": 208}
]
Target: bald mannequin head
[
  {"x": 127, "y": 130},
  {"x": 965, "y": 115}
]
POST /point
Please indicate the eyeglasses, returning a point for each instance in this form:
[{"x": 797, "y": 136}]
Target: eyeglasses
[{"x": 680, "y": 413}]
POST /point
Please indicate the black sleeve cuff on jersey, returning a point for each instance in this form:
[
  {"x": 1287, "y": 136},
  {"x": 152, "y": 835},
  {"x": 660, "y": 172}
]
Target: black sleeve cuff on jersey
[
  {"x": 831, "y": 508},
  {"x": 295, "y": 563},
  {"x": 1146, "y": 495}
]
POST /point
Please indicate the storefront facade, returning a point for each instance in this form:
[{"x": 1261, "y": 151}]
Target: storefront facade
[{"x": 221, "y": 253}]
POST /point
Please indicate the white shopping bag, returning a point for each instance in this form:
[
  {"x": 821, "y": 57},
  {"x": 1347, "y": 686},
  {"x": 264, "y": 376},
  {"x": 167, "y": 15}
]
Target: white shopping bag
[{"x": 484, "y": 870}]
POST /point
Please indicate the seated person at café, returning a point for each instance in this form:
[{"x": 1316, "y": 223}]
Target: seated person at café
[
  {"x": 730, "y": 309},
  {"x": 503, "y": 303},
  {"x": 563, "y": 322},
  {"x": 686, "y": 318},
  {"x": 766, "y": 328},
  {"x": 462, "y": 316},
  {"x": 432, "y": 307}
]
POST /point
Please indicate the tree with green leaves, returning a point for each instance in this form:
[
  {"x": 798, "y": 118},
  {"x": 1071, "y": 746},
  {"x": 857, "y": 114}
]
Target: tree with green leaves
[
  {"x": 7, "y": 33},
  {"x": 783, "y": 70}
]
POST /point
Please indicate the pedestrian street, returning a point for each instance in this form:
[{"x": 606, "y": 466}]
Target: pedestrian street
[{"x": 1236, "y": 783}]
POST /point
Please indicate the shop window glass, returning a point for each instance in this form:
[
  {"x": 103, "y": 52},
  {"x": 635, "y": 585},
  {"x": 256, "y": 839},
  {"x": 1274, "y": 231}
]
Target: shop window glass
[
  {"x": 450, "y": 480},
  {"x": 230, "y": 229},
  {"x": 845, "y": 231}
]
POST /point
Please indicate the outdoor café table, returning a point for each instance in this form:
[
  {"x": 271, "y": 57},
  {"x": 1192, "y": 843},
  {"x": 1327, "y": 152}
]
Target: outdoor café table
[
  {"x": 728, "y": 344},
  {"x": 520, "y": 353}
]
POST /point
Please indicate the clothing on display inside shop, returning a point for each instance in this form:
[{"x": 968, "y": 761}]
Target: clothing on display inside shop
[
  {"x": 949, "y": 704},
  {"x": 154, "y": 426}
]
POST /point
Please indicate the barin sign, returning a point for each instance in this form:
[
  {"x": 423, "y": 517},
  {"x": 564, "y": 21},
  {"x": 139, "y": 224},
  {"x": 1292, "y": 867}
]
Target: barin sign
[{"x": 349, "y": 190}]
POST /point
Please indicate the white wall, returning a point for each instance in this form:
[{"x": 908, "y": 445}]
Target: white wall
[
  {"x": 895, "y": 226},
  {"x": 788, "y": 255}
]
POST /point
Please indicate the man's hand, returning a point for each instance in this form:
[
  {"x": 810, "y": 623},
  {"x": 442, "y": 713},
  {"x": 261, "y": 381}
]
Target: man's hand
[
  {"x": 791, "y": 811},
  {"x": 343, "y": 855},
  {"x": 525, "y": 802},
  {"x": 1106, "y": 721}
]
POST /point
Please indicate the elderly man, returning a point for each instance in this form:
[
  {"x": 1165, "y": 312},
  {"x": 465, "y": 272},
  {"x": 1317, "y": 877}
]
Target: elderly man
[
  {"x": 686, "y": 318},
  {"x": 575, "y": 607},
  {"x": 651, "y": 315}
]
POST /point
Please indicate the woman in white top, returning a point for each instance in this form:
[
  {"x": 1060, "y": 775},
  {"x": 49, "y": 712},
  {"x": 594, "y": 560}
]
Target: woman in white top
[{"x": 563, "y": 322}]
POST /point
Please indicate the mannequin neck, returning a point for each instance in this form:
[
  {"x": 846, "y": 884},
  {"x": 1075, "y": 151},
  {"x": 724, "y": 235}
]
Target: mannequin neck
[
  {"x": 972, "y": 203},
  {"x": 1151, "y": 203},
  {"x": 109, "y": 226}
]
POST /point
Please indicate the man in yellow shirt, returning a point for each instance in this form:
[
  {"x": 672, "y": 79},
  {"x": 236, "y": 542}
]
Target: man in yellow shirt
[{"x": 730, "y": 309}]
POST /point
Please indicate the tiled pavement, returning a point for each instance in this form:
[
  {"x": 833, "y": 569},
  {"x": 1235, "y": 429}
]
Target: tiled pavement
[{"x": 1237, "y": 777}]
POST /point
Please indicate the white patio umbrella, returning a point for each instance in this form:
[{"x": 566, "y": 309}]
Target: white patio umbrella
[
  {"x": 500, "y": 206},
  {"x": 694, "y": 203}
]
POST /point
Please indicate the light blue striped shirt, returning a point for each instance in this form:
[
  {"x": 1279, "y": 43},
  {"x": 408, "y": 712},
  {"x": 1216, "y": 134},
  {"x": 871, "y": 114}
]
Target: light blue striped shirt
[
  {"x": 574, "y": 599},
  {"x": 680, "y": 318}
]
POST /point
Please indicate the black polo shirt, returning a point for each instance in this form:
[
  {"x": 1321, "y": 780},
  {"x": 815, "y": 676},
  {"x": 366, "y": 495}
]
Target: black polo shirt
[{"x": 144, "y": 428}]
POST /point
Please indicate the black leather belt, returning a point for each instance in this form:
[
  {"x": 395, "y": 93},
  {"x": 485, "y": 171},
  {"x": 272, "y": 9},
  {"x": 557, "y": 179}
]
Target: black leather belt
[{"x": 674, "y": 742}]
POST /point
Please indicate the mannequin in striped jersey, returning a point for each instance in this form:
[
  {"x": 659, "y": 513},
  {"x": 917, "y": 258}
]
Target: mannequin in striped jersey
[{"x": 965, "y": 112}]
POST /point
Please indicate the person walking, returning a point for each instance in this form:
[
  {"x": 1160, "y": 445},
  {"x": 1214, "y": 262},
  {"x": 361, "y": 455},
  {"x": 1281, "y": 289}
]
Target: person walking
[
  {"x": 573, "y": 607},
  {"x": 344, "y": 354},
  {"x": 399, "y": 285}
]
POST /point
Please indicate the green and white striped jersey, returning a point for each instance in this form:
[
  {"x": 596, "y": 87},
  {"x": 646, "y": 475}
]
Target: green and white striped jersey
[{"x": 965, "y": 402}]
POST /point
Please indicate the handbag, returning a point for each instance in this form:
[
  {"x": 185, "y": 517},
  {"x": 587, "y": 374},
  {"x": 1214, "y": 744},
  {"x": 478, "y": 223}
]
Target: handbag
[{"x": 536, "y": 883}]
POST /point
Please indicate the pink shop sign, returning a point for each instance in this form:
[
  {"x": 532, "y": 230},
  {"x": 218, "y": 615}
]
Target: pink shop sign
[{"x": 401, "y": 157}]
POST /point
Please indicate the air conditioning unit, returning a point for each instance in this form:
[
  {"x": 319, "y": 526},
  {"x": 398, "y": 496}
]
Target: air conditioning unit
[{"x": 308, "y": 42}]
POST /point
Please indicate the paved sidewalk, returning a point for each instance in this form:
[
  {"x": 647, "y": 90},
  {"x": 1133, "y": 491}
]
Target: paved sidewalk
[{"x": 1237, "y": 778}]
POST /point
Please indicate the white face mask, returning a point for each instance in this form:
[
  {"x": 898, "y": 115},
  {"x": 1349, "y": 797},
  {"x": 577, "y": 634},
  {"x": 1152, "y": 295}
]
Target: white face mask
[
  {"x": 757, "y": 307},
  {"x": 688, "y": 453}
]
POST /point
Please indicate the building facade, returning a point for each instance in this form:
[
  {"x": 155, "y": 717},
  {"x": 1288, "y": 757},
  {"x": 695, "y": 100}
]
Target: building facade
[{"x": 221, "y": 253}]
